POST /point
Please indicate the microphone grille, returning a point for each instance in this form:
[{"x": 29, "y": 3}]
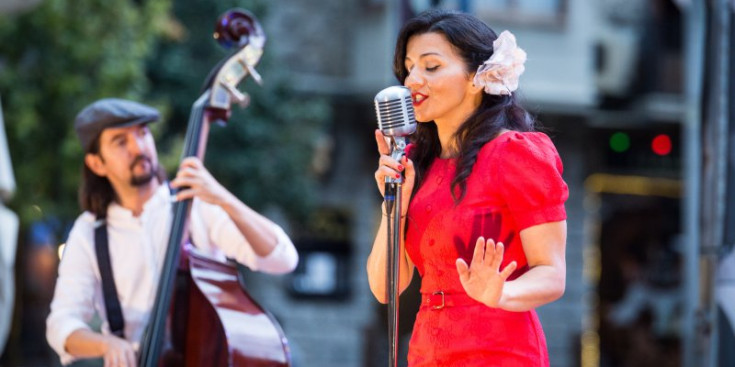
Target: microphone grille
[{"x": 394, "y": 108}]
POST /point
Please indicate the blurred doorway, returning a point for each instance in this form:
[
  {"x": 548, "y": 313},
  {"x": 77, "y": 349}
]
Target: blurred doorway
[{"x": 633, "y": 271}]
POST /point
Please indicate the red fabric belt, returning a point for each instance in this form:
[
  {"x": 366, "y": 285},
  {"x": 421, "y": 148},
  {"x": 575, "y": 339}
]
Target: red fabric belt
[{"x": 439, "y": 300}]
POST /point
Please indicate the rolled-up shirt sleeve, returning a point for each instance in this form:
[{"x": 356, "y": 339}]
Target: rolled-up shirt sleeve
[
  {"x": 223, "y": 235},
  {"x": 72, "y": 307},
  {"x": 283, "y": 259}
]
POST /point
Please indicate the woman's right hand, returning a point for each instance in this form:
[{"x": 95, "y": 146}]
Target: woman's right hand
[
  {"x": 389, "y": 167},
  {"x": 377, "y": 261}
]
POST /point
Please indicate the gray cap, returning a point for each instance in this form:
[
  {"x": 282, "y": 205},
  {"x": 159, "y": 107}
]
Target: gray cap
[{"x": 110, "y": 112}]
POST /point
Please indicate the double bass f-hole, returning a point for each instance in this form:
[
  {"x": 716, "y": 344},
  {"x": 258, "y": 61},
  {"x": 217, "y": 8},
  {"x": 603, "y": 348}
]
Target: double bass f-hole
[{"x": 214, "y": 321}]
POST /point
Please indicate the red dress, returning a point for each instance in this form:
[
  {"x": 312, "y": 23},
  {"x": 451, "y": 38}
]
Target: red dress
[{"x": 515, "y": 183}]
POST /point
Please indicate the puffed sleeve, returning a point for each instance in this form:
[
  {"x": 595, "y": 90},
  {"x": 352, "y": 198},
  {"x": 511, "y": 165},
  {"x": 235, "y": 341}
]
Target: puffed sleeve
[{"x": 529, "y": 172}]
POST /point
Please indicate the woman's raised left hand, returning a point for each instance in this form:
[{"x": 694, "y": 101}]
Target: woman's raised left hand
[{"x": 482, "y": 279}]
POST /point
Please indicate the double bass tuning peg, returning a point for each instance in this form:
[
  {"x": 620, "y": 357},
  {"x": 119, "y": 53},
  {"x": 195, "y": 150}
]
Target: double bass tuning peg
[
  {"x": 241, "y": 98},
  {"x": 252, "y": 71}
]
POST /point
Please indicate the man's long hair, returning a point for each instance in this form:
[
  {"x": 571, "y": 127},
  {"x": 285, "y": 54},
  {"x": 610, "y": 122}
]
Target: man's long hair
[{"x": 96, "y": 193}]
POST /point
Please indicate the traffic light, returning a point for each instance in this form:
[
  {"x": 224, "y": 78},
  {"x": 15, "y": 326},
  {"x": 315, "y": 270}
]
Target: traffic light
[
  {"x": 661, "y": 144},
  {"x": 619, "y": 142},
  {"x": 648, "y": 150}
]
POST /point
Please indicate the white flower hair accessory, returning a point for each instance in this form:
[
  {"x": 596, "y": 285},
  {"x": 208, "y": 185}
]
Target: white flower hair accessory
[{"x": 499, "y": 74}]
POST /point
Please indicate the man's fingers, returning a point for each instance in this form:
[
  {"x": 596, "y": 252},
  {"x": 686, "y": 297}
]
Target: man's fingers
[
  {"x": 111, "y": 360},
  {"x": 130, "y": 358},
  {"x": 187, "y": 182},
  {"x": 185, "y": 194},
  {"x": 186, "y": 172},
  {"x": 193, "y": 162}
]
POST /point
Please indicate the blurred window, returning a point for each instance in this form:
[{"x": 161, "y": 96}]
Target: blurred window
[{"x": 528, "y": 12}]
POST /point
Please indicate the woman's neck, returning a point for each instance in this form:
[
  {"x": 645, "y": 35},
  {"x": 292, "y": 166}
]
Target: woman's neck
[
  {"x": 446, "y": 131},
  {"x": 448, "y": 126}
]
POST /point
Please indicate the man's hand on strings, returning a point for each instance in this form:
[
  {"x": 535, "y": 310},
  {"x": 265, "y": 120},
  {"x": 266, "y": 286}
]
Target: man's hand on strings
[
  {"x": 193, "y": 179},
  {"x": 118, "y": 352}
]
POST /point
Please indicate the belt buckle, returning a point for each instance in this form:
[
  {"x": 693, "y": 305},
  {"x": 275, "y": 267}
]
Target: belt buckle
[{"x": 439, "y": 307}]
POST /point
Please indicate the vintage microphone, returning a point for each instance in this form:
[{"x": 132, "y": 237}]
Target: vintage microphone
[{"x": 396, "y": 120}]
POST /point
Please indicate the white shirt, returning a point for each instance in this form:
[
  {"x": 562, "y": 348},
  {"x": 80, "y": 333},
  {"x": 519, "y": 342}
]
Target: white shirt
[{"x": 137, "y": 247}]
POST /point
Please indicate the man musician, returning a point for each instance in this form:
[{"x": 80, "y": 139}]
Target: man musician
[{"x": 124, "y": 184}]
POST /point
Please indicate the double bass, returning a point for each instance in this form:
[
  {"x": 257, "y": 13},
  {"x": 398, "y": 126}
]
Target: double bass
[{"x": 202, "y": 315}]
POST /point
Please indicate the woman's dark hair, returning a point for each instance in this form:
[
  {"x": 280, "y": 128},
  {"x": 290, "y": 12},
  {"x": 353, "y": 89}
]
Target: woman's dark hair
[
  {"x": 96, "y": 193},
  {"x": 473, "y": 41}
]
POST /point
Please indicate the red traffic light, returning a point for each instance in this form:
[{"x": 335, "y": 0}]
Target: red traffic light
[{"x": 661, "y": 144}]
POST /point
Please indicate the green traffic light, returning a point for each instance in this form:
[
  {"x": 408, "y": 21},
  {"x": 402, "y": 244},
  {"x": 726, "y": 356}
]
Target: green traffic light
[{"x": 619, "y": 142}]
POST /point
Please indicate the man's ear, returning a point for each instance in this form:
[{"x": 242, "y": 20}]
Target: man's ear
[{"x": 95, "y": 164}]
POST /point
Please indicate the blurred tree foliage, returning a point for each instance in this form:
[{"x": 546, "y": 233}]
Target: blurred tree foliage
[
  {"x": 64, "y": 54},
  {"x": 264, "y": 154},
  {"x": 54, "y": 60}
]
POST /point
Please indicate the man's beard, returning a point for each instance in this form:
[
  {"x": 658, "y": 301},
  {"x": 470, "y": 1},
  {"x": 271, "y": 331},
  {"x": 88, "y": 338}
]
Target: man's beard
[{"x": 145, "y": 178}]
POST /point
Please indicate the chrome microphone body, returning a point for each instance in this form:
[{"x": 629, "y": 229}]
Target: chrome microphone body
[{"x": 396, "y": 120}]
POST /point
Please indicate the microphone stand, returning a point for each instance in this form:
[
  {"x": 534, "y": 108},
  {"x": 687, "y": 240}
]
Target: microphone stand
[{"x": 393, "y": 193}]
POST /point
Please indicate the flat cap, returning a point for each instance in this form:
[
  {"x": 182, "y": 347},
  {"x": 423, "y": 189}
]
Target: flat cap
[{"x": 110, "y": 112}]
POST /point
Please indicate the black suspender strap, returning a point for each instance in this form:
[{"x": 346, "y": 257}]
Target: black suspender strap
[{"x": 109, "y": 291}]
